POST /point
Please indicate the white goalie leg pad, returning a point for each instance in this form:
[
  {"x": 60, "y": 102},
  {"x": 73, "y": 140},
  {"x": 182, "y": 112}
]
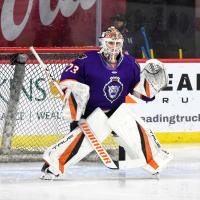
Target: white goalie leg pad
[
  {"x": 134, "y": 158},
  {"x": 75, "y": 146},
  {"x": 153, "y": 78},
  {"x": 138, "y": 140},
  {"x": 76, "y": 98}
]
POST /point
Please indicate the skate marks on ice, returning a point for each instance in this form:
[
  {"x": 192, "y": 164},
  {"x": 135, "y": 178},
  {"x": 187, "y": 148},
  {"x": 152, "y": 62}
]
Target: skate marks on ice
[{"x": 179, "y": 180}]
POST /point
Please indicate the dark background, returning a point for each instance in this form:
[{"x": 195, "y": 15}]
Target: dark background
[{"x": 169, "y": 25}]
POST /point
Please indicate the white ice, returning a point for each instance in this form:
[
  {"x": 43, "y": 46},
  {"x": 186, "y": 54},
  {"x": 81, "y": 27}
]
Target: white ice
[{"x": 180, "y": 180}]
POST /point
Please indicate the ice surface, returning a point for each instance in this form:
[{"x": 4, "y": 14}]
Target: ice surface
[{"x": 92, "y": 181}]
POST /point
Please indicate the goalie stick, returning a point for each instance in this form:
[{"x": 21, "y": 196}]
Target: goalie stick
[
  {"x": 100, "y": 150},
  {"x": 51, "y": 79},
  {"x": 96, "y": 144}
]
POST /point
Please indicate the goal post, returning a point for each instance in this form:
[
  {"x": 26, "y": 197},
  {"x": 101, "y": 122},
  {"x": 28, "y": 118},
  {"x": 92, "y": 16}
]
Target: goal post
[
  {"x": 30, "y": 118},
  {"x": 19, "y": 61}
]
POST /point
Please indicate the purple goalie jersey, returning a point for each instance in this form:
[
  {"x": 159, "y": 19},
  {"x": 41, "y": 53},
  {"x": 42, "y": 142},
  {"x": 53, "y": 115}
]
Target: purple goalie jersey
[{"x": 108, "y": 86}]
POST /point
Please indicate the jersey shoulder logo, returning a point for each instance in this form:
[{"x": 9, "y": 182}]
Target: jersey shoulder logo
[
  {"x": 113, "y": 89},
  {"x": 82, "y": 56}
]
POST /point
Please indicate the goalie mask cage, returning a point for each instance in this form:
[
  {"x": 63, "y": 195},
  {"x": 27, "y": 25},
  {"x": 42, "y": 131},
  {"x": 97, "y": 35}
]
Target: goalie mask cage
[{"x": 30, "y": 117}]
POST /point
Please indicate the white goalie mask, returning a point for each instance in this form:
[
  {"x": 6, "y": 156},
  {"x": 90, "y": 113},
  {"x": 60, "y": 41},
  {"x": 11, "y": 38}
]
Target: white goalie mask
[{"x": 111, "y": 43}]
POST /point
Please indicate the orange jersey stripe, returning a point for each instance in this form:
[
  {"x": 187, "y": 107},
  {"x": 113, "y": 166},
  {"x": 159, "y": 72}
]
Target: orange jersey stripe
[
  {"x": 69, "y": 79},
  {"x": 128, "y": 99}
]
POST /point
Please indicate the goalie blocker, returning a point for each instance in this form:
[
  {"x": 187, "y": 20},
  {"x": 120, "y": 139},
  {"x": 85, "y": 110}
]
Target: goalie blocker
[{"x": 138, "y": 140}]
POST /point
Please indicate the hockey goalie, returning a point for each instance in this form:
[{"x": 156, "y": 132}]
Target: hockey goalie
[{"x": 95, "y": 88}]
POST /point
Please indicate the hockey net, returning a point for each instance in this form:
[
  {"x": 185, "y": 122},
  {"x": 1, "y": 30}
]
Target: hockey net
[{"x": 30, "y": 117}]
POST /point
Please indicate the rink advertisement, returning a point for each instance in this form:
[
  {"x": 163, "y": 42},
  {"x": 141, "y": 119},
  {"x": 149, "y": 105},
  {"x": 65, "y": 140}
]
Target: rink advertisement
[
  {"x": 53, "y": 22},
  {"x": 175, "y": 109}
]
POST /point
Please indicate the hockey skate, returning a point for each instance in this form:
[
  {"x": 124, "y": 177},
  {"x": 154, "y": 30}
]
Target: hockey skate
[
  {"x": 156, "y": 175},
  {"x": 47, "y": 174}
]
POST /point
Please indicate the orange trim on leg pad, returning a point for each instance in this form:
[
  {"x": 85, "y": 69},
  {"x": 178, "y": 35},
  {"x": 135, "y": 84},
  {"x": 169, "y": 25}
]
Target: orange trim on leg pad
[
  {"x": 149, "y": 155},
  {"x": 68, "y": 152}
]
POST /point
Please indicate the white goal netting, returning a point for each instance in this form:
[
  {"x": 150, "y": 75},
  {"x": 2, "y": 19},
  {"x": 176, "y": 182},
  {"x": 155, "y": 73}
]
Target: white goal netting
[{"x": 30, "y": 118}]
